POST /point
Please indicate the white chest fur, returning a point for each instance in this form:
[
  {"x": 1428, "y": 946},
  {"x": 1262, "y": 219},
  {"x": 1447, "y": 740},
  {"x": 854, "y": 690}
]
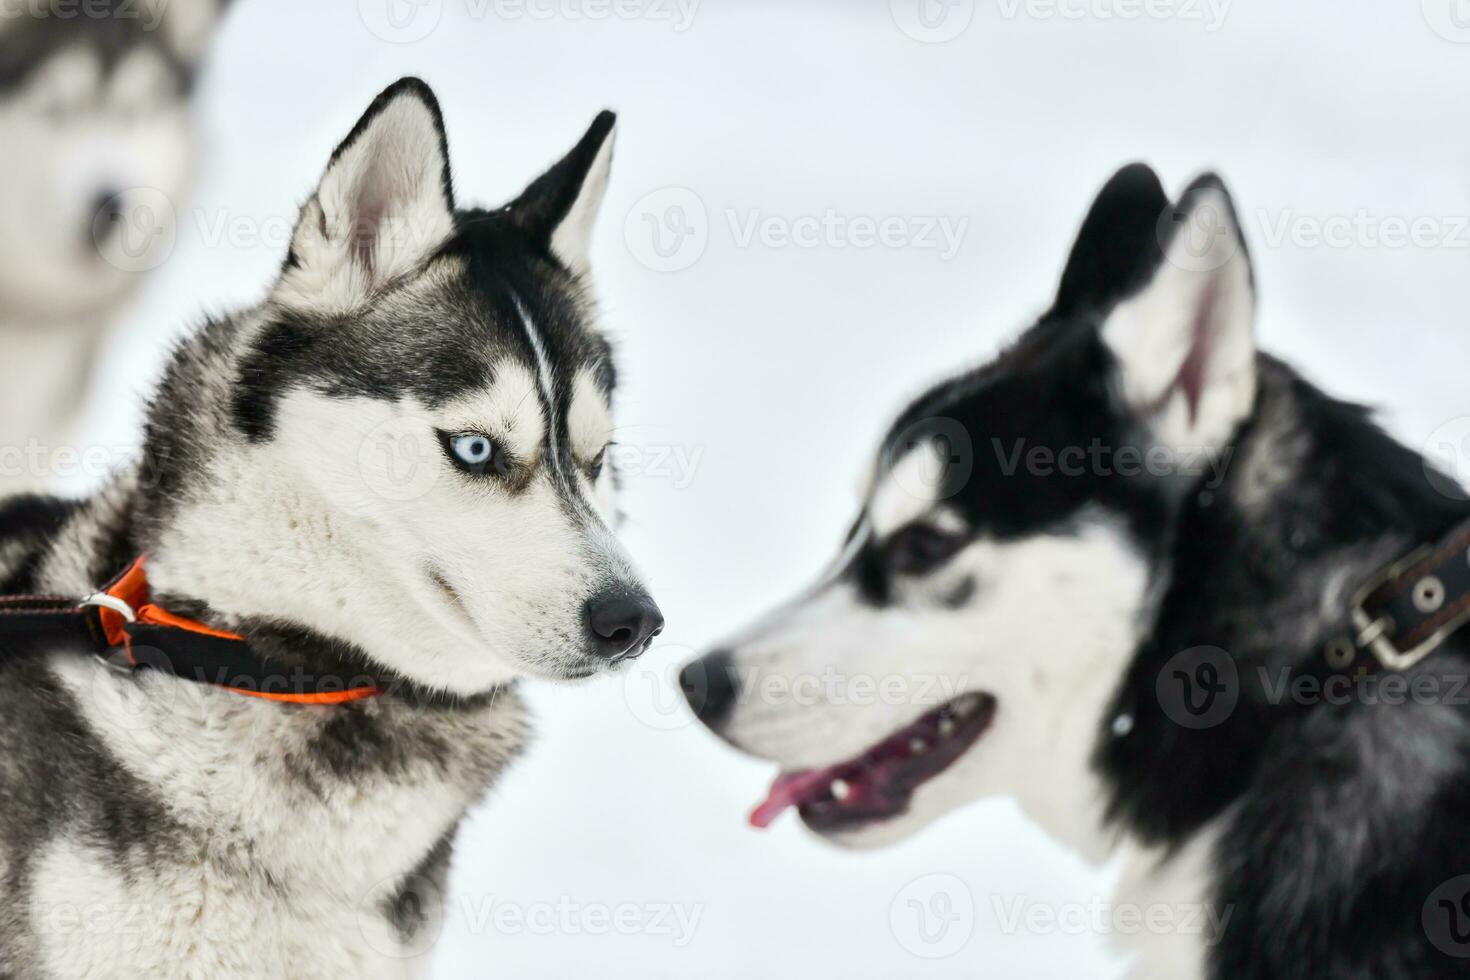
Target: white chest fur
[
  {"x": 1164, "y": 914},
  {"x": 285, "y": 836}
]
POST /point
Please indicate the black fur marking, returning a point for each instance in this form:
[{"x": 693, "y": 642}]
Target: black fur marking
[
  {"x": 412, "y": 907},
  {"x": 437, "y": 352},
  {"x": 961, "y": 594},
  {"x": 59, "y": 779},
  {"x": 1118, "y": 245},
  {"x": 1053, "y": 390},
  {"x": 287, "y": 343},
  {"x": 29, "y": 522},
  {"x": 545, "y": 203},
  {"x": 1224, "y": 563},
  {"x": 112, "y": 34}
]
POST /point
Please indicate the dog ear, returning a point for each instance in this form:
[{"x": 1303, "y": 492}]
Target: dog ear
[
  {"x": 1184, "y": 339},
  {"x": 188, "y": 25},
  {"x": 384, "y": 203},
  {"x": 560, "y": 207},
  {"x": 1117, "y": 246}
]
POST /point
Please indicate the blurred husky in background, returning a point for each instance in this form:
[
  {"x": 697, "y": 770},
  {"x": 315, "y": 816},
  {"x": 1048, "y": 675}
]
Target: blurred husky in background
[{"x": 96, "y": 141}]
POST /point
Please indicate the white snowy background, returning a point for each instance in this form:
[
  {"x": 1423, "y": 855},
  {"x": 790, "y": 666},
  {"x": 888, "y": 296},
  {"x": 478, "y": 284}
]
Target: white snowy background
[{"x": 768, "y": 370}]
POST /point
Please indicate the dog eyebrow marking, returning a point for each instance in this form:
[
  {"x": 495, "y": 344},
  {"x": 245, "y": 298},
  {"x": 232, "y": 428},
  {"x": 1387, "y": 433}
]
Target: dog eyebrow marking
[
  {"x": 544, "y": 377},
  {"x": 907, "y": 491},
  {"x": 588, "y": 425},
  {"x": 513, "y": 408}
]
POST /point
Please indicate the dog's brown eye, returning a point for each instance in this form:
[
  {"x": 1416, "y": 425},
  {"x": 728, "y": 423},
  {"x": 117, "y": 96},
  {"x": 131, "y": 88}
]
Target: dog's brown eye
[{"x": 920, "y": 548}]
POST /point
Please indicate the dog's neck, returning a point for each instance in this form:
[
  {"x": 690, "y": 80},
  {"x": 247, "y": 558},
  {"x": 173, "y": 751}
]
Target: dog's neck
[
  {"x": 1317, "y": 499},
  {"x": 376, "y": 783}
]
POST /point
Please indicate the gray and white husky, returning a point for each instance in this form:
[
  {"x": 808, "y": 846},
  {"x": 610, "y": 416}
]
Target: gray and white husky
[
  {"x": 1129, "y": 500},
  {"x": 97, "y": 144},
  {"x": 392, "y": 466}
]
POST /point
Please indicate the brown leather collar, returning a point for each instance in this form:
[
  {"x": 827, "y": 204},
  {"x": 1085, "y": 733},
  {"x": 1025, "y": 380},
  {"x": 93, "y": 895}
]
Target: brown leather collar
[{"x": 1406, "y": 611}]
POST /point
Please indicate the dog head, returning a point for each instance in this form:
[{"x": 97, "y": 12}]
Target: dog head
[
  {"x": 410, "y": 431},
  {"x": 985, "y": 606},
  {"x": 100, "y": 148}
]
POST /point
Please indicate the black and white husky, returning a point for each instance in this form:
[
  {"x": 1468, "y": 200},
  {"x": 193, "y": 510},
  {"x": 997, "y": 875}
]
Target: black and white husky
[
  {"x": 97, "y": 145},
  {"x": 1110, "y": 575},
  {"x": 391, "y": 468}
]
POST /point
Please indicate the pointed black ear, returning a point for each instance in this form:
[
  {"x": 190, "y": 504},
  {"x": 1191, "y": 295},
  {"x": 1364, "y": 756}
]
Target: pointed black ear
[
  {"x": 560, "y": 206},
  {"x": 383, "y": 204},
  {"x": 1118, "y": 246}
]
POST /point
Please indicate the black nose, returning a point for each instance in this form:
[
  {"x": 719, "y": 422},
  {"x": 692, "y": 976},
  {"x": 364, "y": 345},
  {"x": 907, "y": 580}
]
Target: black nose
[
  {"x": 709, "y": 685},
  {"x": 106, "y": 211},
  {"x": 622, "y": 624}
]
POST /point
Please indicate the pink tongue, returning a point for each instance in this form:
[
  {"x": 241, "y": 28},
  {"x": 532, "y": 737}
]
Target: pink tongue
[{"x": 787, "y": 791}]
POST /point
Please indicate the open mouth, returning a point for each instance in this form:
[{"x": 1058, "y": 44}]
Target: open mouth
[{"x": 878, "y": 784}]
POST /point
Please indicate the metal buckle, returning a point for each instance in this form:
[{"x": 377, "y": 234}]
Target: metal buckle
[
  {"x": 119, "y": 659},
  {"x": 110, "y": 602},
  {"x": 1373, "y": 632}
]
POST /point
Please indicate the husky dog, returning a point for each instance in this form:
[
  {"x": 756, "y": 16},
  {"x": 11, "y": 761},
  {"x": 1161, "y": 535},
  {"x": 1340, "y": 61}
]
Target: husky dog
[
  {"x": 1128, "y": 495},
  {"x": 97, "y": 141},
  {"x": 392, "y": 467}
]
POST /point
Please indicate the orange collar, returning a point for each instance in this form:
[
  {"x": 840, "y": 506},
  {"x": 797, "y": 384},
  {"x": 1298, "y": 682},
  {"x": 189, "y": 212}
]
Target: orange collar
[{"x": 150, "y": 636}]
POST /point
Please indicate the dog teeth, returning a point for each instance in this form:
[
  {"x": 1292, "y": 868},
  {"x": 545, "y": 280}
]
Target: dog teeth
[
  {"x": 946, "y": 727},
  {"x": 963, "y": 707},
  {"x": 840, "y": 789},
  {"x": 917, "y": 745}
]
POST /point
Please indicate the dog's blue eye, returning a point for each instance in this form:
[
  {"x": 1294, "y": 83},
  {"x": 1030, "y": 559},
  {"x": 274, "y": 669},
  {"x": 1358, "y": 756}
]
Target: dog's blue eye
[
  {"x": 472, "y": 450},
  {"x": 475, "y": 452}
]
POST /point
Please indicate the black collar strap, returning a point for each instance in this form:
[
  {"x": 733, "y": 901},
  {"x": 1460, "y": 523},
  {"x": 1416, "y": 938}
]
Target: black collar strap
[
  {"x": 1406, "y": 611},
  {"x": 119, "y": 624}
]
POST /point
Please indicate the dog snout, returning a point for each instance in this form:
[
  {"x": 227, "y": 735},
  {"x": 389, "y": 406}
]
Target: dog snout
[
  {"x": 105, "y": 213},
  {"x": 710, "y": 687},
  {"x": 622, "y": 624}
]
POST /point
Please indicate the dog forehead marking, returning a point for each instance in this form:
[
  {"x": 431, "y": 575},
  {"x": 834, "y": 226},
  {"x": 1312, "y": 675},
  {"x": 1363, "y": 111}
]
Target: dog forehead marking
[
  {"x": 589, "y": 424},
  {"x": 908, "y": 490},
  {"x": 545, "y": 379},
  {"x": 141, "y": 73},
  {"x": 511, "y": 408}
]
